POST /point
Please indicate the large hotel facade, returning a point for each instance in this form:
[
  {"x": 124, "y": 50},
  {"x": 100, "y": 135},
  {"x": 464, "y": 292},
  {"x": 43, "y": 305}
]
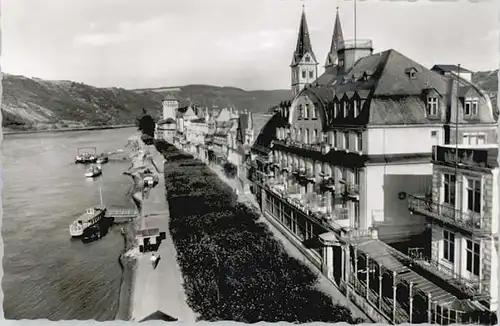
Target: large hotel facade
[{"x": 361, "y": 161}]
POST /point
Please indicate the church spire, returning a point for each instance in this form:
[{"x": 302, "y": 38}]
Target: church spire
[
  {"x": 303, "y": 40},
  {"x": 337, "y": 39}
]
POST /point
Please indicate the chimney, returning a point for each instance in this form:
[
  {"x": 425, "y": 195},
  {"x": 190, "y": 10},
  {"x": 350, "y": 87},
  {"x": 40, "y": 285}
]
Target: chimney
[{"x": 454, "y": 108}]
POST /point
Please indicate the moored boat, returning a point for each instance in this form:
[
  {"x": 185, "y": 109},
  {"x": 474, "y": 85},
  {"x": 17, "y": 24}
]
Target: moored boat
[
  {"x": 84, "y": 156},
  {"x": 102, "y": 159},
  {"x": 93, "y": 171},
  {"x": 89, "y": 218}
]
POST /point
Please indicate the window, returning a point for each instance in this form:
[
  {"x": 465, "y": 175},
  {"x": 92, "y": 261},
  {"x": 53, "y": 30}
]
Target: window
[
  {"x": 311, "y": 74},
  {"x": 308, "y": 59},
  {"x": 468, "y": 107},
  {"x": 474, "y": 139},
  {"x": 434, "y": 133},
  {"x": 330, "y": 138},
  {"x": 306, "y": 136},
  {"x": 343, "y": 174},
  {"x": 449, "y": 189},
  {"x": 335, "y": 139},
  {"x": 304, "y": 74},
  {"x": 306, "y": 111},
  {"x": 301, "y": 111},
  {"x": 315, "y": 112},
  {"x": 299, "y": 135},
  {"x": 475, "y": 107},
  {"x": 359, "y": 141},
  {"x": 346, "y": 140},
  {"x": 336, "y": 109},
  {"x": 472, "y": 257},
  {"x": 432, "y": 106},
  {"x": 346, "y": 109},
  {"x": 474, "y": 195},
  {"x": 355, "y": 108},
  {"x": 315, "y": 136},
  {"x": 449, "y": 246}
]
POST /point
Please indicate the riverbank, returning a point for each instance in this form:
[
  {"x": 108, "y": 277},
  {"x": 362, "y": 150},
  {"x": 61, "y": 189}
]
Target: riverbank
[
  {"x": 16, "y": 132},
  {"x": 128, "y": 264}
]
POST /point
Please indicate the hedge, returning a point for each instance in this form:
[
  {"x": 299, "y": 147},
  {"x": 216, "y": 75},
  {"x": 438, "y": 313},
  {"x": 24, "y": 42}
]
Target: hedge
[{"x": 233, "y": 267}]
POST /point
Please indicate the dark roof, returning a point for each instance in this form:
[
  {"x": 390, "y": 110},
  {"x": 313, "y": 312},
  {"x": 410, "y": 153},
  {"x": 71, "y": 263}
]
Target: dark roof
[
  {"x": 268, "y": 131},
  {"x": 166, "y": 121},
  {"x": 449, "y": 68},
  {"x": 198, "y": 120},
  {"x": 242, "y": 126},
  {"x": 303, "y": 41},
  {"x": 158, "y": 315},
  {"x": 170, "y": 97}
]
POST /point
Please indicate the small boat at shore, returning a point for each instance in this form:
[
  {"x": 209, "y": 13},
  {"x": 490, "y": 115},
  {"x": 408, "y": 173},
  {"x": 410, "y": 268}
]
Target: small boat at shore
[
  {"x": 102, "y": 159},
  {"x": 93, "y": 171},
  {"x": 84, "y": 156}
]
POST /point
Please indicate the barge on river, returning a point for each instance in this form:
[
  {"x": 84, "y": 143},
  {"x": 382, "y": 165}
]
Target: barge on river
[{"x": 92, "y": 216}]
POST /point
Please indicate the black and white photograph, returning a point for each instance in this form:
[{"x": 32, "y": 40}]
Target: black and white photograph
[{"x": 250, "y": 161}]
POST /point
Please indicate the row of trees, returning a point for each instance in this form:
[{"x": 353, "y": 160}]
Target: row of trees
[{"x": 233, "y": 267}]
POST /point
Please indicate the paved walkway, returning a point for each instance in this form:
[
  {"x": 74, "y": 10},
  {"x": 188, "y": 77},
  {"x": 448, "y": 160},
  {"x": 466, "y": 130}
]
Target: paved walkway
[
  {"x": 160, "y": 288},
  {"x": 324, "y": 284}
]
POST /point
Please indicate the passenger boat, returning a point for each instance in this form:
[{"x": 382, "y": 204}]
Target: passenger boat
[
  {"x": 93, "y": 171},
  {"x": 89, "y": 218},
  {"x": 84, "y": 156}
]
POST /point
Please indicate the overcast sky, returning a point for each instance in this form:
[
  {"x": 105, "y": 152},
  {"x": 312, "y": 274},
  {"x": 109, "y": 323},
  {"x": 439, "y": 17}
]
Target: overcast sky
[{"x": 241, "y": 43}]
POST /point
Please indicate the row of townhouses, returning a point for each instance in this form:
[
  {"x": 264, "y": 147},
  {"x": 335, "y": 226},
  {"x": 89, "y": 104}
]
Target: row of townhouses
[{"x": 383, "y": 172}]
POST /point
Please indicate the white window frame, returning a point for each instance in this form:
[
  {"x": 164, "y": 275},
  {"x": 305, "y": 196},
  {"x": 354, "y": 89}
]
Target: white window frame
[
  {"x": 449, "y": 242},
  {"x": 475, "y": 256},
  {"x": 468, "y": 138},
  {"x": 311, "y": 74},
  {"x": 315, "y": 136},
  {"x": 335, "y": 138},
  {"x": 432, "y": 106},
  {"x": 451, "y": 187},
  {"x": 345, "y": 106},
  {"x": 475, "y": 107},
  {"x": 306, "y": 136},
  {"x": 355, "y": 108},
  {"x": 306, "y": 111},
  {"x": 359, "y": 142},
  {"x": 346, "y": 140},
  {"x": 313, "y": 112},
  {"x": 469, "y": 186}
]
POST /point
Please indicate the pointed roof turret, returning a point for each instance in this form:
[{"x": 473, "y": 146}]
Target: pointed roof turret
[
  {"x": 303, "y": 41},
  {"x": 337, "y": 39}
]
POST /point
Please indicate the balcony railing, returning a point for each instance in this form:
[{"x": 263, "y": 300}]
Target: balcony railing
[
  {"x": 470, "y": 221},
  {"x": 467, "y": 286},
  {"x": 328, "y": 184}
]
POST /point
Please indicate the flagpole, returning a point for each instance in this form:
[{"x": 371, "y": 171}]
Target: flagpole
[{"x": 355, "y": 23}]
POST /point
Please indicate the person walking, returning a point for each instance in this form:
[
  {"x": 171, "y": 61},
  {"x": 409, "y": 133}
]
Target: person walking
[{"x": 153, "y": 260}]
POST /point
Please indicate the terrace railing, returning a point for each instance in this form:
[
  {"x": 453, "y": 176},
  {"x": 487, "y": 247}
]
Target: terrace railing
[
  {"x": 470, "y": 221},
  {"x": 472, "y": 288}
]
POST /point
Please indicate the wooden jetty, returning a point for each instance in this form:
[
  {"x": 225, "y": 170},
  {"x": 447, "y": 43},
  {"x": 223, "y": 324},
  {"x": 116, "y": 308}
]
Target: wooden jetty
[{"x": 121, "y": 215}]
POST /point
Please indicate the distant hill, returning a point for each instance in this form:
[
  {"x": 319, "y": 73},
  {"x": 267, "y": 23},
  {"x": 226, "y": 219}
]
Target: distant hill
[
  {"x": 37, "y": 104},
  {"x": 215, "y": 96}
]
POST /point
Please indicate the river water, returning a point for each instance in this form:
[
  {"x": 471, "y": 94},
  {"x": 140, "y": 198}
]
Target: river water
[{"x": 46, "y": 274}]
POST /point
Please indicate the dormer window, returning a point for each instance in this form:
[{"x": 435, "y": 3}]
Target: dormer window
[
  {"x": 432, "y": 106},
  {"x": 471, "y": 107},
  {"x": 306, "y": 111},
  {"x": 336, "y": 110},
  {"x": 308, "y": 59},
  {"x": 315, "y": 112},
  {"x": 355, "y": 108},
  {"x": 346, "y": 109},
  {"x": 411, "y": 72},
  {"x": 311, "y": 74}
]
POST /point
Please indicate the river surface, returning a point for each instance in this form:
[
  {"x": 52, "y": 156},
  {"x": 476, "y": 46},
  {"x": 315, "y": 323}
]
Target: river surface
[{"x": 46, "y": 274}]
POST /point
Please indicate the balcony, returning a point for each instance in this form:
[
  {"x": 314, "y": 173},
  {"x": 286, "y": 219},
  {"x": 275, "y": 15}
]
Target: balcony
[
  {"x": 471, "y": 288},
  {"x": 467, "y": 221},
  {"x": 327, "y": 184}
]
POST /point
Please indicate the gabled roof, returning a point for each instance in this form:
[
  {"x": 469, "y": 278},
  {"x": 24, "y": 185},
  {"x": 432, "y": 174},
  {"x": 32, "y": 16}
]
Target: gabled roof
[
  {"x": 303, "y": 41},
  {"x": 449, "y": 68}
]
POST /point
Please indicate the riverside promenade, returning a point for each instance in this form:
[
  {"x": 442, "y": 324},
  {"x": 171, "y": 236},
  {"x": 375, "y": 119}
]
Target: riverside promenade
[
  {"x": 161, "y": 288},
  {"x": 324, "y": 284}
]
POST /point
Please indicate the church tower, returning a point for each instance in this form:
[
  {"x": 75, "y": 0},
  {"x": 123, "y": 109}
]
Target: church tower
[
  {"x": 304, "y": 64},
  {"x": 170, "y": 107},
  {"x": 337, "y": 40}
]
